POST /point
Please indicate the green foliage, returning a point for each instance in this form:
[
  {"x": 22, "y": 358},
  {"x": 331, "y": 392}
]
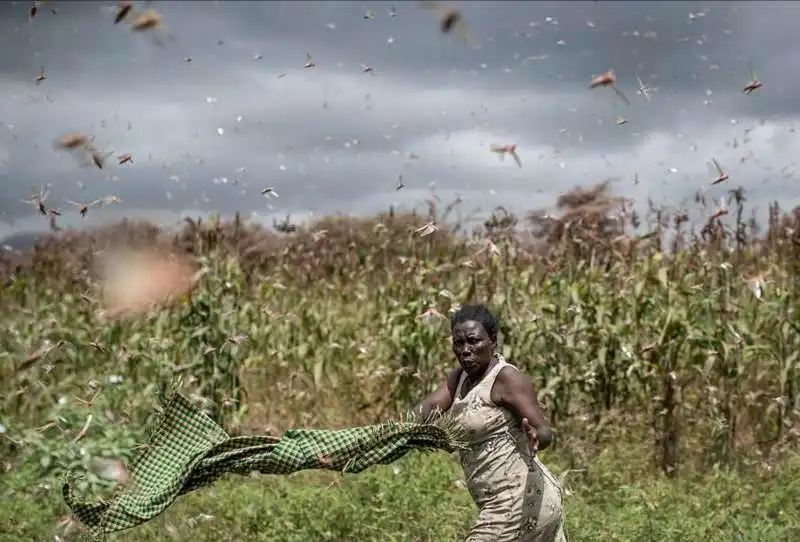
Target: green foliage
[
  {"x": 671, "y": 363},
  {"x": 49, "y": 454}
]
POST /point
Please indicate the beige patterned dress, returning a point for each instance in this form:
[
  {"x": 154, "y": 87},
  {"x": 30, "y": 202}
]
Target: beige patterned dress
[{"x": 519, "y": 498}]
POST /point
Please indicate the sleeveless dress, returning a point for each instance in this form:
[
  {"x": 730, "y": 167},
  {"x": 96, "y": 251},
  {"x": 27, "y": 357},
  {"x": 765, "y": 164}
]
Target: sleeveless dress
[{"x": 519, "y": 499}]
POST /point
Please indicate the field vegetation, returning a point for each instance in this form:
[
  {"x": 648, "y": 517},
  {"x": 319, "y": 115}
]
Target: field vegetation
[{"x": 668, "y": 364}]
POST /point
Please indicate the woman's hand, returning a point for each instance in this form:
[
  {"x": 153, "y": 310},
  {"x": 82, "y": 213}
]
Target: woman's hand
[
  {"x": 515, "y": 392},
  {"x": 532, "y": 434}
]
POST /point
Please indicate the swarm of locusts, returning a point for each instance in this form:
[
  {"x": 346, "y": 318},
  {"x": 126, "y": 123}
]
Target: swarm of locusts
[
  {"x": 82, "y": 144},
  {"x": 587, "y": 253}
]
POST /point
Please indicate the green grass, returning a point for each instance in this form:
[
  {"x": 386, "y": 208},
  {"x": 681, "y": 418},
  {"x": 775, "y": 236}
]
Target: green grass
[{"x": 419, "y": 499}]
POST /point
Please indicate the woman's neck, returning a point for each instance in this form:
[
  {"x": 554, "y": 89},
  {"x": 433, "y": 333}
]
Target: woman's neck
[{"x": 474, "y": 379}]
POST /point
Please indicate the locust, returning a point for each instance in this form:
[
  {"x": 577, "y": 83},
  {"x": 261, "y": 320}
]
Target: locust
[
  {"x": 89, "y": 403},
  {"x": 41, "y": 77},
  {"x": 147, "y": 20},
  {"x": 756, "y": 285},
  {"x": 34, "y": 10},
  {"x": 719, "y": 174},
  {"x": 108, "y": 200},
  {"x": 99, "y": 159},
  {"x": 38, "y": 199},
  {"x": 83, "y": 208},
  {"x": 754, "y": 83},
  {"x": 502, "y": 150},
  {"x": 269, "y": 192},
  {"x": 309, "y": 62},
  {"x": 79, "y": 141},
  {"x": 53, "y": 218},
  {"x": 427, "y": 229},
  {"x": 608, "y": 80},
  {"x": 151, "y": 20},
  {"x": 73, "y": 141},
  {"x": 430, "y": 315},
  {"x": 123, "y": 10},
  {"x": 643, "y": 89},
  {"x": 125, "y": 158},
  {"x": 721, "y": 210},
  {"x": 39, "y": 353},
  {"x": 53, "y": 224},
  {"x": 111, "y": 469},
  {"x": 450, "y": 19}
]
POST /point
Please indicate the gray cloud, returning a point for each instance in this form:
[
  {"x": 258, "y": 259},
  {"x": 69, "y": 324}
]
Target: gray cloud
[{"x": 336, "y": 139}]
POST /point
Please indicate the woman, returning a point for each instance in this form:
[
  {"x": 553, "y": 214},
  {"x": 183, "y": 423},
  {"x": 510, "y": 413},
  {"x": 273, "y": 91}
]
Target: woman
[{"x": 519, "y": 498}]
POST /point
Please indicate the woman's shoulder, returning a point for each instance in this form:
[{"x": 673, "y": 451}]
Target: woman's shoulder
[
  {"x": 455, "y": 372},
  {"x": 454, "y": 376},
  {"x": 508, "y": 365},
  {"x": 510, "y": 373}
]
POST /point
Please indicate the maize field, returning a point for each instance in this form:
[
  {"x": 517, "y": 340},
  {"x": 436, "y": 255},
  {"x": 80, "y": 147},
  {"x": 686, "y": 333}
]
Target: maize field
[{"x": 685, "y": 344}]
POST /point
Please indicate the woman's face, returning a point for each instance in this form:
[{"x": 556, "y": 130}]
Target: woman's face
[{"x": 472, "y": 346}]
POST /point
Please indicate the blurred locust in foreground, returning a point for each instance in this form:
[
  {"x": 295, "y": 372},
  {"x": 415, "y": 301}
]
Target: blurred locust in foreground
[{"x": 134, "y": 282}]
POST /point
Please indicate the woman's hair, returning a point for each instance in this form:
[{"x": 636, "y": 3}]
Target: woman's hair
[{"x": 477, "y": 313}]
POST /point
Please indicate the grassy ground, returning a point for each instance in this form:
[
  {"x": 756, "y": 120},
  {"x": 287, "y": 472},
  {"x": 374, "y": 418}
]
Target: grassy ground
[{"x": 420, "y": 499}]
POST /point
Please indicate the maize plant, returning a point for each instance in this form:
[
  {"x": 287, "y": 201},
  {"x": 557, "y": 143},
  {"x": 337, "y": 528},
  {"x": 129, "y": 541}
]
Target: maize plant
[{"x": 692, "y": 337}]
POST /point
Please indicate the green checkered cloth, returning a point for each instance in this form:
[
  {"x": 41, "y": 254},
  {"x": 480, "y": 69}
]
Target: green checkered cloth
[{"x": 188, "y": 450}]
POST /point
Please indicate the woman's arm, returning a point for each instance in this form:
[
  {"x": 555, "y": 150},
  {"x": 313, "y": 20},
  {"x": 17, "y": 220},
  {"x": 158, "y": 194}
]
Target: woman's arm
[
  {"x": 517, "y": 393},
  {"x": 440, "y": 399}
]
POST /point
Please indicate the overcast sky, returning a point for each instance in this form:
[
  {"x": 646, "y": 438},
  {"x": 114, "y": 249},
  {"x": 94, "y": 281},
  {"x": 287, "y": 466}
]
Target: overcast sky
[{"x": 244, "y": 114}]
